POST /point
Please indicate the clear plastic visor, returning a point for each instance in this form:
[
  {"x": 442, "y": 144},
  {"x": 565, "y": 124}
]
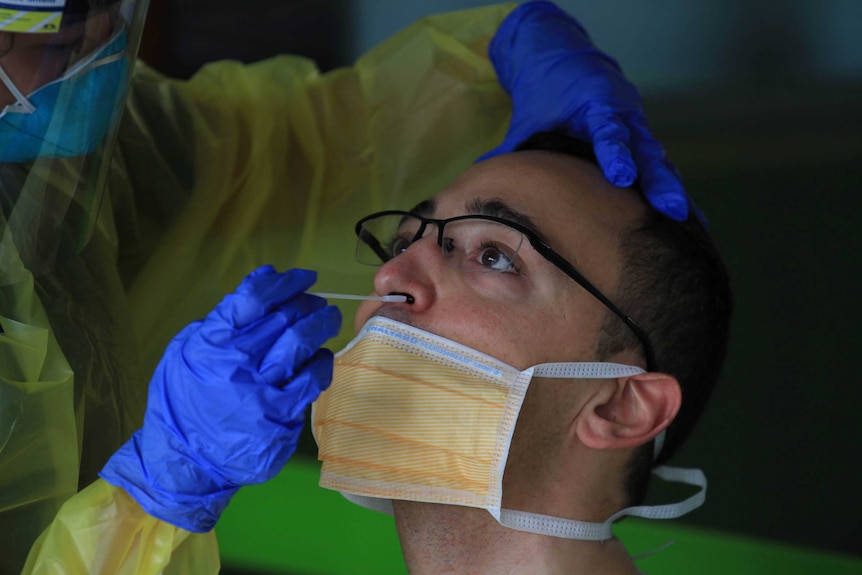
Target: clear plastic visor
[{"x": 62, "y": 95}]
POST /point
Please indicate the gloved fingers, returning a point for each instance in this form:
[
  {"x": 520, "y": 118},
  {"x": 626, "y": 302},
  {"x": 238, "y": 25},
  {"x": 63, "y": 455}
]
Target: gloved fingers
[
  {"x": 223, "y": 343},
  {"x": 611, "y": 142},
  {"x": 303, "y": 305},
  {"x": 287, "y": 404},
  {"x": 272, "y": 287},
  {"x": 187, "y": 332},
  {"x": 500, "y": 47},
  {"x": 260, "y": 292},
  {"x": 266, "y": 269},
  {"x": 287, "y": 356},
  {"x": 659, "y": 179}
]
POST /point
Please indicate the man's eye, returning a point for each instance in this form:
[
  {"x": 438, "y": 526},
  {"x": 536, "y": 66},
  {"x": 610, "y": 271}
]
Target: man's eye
[
  {"x": 448, "y": 245},
  {"x": 398, "y": 245},
  {"x": 493, "y": 258}
]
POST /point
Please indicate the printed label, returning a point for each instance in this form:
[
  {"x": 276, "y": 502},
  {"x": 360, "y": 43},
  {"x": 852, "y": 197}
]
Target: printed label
[{"x": 31, "y": 16}]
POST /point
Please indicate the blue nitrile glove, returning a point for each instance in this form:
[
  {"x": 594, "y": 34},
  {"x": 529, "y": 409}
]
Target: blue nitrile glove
[
  {"x": 227, "y": 401},
  {"x": 558, "y": 80}
]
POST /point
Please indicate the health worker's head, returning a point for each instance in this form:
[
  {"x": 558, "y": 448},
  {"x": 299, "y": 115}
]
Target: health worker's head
[{"x": 33, "y": 59}]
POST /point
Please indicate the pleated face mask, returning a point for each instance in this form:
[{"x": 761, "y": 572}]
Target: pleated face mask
[{"x": 414, "y": 416}]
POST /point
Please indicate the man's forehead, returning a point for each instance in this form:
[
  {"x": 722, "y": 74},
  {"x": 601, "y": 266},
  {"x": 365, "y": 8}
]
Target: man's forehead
[
  {"x": 566, "y": 199},
  {"x": 552, "y": 191}
]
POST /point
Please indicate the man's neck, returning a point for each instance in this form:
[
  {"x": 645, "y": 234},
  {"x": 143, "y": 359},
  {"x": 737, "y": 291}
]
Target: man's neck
[{"x": 447, "y": 539}]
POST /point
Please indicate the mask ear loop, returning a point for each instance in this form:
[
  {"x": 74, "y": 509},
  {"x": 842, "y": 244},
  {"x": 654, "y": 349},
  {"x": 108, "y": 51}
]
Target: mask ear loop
[
  {"x": 658, "y": 445},
  {"x": 693, "y": 477},
  {"x": 93, "y": 60},
  {"x": 101, "y": 62},
  {"x": 646, "y": 554},
  {"x": 22, "y": 105}
]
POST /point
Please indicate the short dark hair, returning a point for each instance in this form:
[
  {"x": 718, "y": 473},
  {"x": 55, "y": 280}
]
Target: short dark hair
[{"x": 674, "y": 285}]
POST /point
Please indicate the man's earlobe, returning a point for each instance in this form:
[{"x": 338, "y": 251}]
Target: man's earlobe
[{"x": 640, "y": 408}]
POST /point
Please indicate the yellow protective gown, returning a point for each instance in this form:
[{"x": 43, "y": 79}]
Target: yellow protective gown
[{"x": 212, "y": 177}]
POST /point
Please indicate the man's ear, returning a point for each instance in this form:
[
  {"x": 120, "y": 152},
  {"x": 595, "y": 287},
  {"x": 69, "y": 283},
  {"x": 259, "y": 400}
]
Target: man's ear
[{"x": 633, "y": 413}]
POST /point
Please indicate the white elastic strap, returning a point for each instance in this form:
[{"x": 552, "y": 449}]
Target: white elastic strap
[
  {"x": 93, "y": 59},
  {"x": 571, "y": 529},
  {"x": 101, "y": 62},
  {"x": 646, "y": 554},
  {"x": 23, "y": 105},
  {"x": 555, "y": 526},
  {"x": 586, "y": 370},
  {"x": 658, "y": 445},
  {"x": 373, "y": 503}
]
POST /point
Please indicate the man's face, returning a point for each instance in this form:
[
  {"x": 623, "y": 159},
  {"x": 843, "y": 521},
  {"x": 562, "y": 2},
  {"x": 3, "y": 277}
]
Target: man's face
[{"x": 534, "y": 313}]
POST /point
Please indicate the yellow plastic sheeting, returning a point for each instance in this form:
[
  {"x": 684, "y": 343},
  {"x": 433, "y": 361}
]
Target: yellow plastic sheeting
[
  {"x": 288, "y": 160},
  {"x": 38, "y": 446},
  {"x": 135, "y": 543},
  {"x": 212, "y": 177}
]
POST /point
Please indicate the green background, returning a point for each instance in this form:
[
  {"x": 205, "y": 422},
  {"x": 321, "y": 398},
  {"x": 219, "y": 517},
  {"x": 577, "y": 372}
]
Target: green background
[{"x": 289, "y": 525}]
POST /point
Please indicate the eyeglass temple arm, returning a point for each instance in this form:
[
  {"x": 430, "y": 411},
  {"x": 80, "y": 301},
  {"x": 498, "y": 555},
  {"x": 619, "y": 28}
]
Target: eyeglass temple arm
[
  {"x": 372, "y": 242},
  {"x": 569, "y": 270}
]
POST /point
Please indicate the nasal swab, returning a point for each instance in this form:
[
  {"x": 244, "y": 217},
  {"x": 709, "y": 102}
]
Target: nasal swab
[{"x": 384, "y": 298}]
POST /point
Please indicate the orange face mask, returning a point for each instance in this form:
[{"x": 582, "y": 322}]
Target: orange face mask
[{"x": 414, "y": 416}]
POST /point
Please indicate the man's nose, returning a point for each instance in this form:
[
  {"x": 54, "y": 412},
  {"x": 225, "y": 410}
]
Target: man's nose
[{"x": 414, "y": 272}]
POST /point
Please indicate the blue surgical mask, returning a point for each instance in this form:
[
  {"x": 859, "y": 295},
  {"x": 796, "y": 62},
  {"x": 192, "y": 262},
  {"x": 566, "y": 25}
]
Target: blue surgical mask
[{"x": 70, "y": 115}]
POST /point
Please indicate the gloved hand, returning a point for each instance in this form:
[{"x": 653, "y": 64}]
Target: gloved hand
[
  {"x": 558, "y": 80},
  {"x": 227, "y": 401}
]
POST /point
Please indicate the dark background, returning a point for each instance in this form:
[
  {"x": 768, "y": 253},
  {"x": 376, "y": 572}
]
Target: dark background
[{"x": 759, "y": 104}]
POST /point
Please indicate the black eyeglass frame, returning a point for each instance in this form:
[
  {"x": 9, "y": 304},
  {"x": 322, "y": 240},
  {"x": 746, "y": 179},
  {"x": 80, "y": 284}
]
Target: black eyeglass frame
[{"x": 540, "y": 246}]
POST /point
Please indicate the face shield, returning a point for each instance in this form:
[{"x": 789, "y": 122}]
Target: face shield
[{"x": 65, "y": 68}]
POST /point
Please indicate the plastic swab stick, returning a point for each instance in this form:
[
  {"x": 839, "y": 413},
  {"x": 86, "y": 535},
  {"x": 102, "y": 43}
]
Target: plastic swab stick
[{"x": 384, "y": 298}]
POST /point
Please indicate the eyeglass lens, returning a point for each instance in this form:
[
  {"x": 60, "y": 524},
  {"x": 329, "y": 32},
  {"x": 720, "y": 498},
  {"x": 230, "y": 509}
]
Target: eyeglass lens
[{"x": 469, "y": 244}]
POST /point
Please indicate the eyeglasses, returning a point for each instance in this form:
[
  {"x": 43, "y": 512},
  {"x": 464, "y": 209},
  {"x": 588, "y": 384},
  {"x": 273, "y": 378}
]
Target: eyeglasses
[{"x": 472, "y": 243}]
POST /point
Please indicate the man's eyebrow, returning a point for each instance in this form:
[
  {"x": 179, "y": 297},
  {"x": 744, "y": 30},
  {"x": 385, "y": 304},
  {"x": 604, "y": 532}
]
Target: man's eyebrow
[
  {"x": 500, "y": 209},
  {"x": 424, "y": 208},
  {"x": 486, "y": 207}
]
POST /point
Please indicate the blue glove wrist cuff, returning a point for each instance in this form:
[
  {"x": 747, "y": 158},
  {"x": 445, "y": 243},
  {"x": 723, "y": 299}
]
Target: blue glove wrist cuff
[{"x": 196, "y": 511}]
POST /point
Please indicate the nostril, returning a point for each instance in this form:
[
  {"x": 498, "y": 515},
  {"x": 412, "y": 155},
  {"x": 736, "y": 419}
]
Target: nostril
[{"x": 409, "y": 297}]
